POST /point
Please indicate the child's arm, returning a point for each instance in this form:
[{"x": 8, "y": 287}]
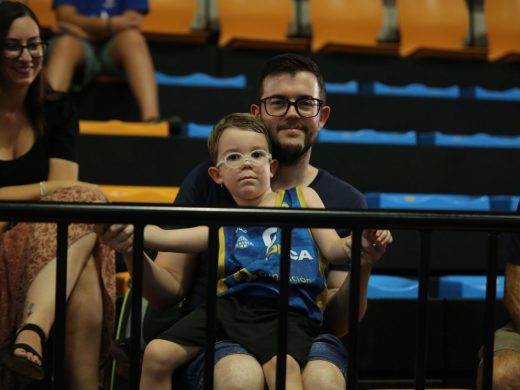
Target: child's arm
[
  {"x": 336, "y": 250},
  {"x": 188, "y": 240}
]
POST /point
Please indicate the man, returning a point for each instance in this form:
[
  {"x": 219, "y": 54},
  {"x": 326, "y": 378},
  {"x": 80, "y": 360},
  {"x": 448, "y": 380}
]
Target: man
[
  {"x": 506, "y": 358},
  {"x": 103, "y": 36},
  {"x": 289, "y": 86}
]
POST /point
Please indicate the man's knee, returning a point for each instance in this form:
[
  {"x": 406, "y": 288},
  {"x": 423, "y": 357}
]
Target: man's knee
[
  {"x": 64, "y": 48},
  {"x": 130, "y": 39},
  {"x": 323, "y": 375},
  {"x": 506, "y": 374},
  {"x": 238, "y": 371}
]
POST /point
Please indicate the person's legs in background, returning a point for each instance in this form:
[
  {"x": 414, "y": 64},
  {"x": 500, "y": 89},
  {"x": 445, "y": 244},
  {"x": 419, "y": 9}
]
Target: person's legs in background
[
  {"x": 66, "y": 55},
  {"x": 129, "y": 48}
]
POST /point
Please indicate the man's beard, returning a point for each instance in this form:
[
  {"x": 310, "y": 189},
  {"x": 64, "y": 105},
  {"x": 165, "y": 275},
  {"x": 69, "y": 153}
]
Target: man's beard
[{"x": 290, "y": 154}]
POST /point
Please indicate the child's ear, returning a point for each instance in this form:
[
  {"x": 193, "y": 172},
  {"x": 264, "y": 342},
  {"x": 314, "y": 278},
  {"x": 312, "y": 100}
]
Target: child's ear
[
  {"x": 214, "y": 173},
  {"x": 274, "y": 167}
]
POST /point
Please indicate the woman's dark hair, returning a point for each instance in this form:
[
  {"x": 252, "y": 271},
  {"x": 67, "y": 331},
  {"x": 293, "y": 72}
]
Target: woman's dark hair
[{"x": 10, "y": 11}]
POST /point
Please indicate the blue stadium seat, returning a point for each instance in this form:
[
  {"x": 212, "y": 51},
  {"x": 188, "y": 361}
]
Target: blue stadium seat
[
  {"x": 196, "y": 130},
  {"x": 428, "y": 201},
  {"x": 504, "y": 202},
  {"x": 350, "y": 87},
  {"x": 368, "y": 136},
  {"x": 464, "y": 286},
  {"x": 385, "y": 286},
  {"x": 202, "y": 80},
  {"x": 477, "y": 92},
  {"x": 479, "y": 140},
  {"x": 414, "y": 90}
]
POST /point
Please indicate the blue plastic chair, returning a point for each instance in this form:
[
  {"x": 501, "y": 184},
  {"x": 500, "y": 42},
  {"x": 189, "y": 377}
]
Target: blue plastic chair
[
  {"x": 504, "y": 202},
  {"x": 386, "y": 286},
  {"x": 368, "y": 136},
  {"x": 467, "y": 286},
  {"x": 413, "y": 90},
  {"x": 196, "y": 130},
  {"x": 350, "y": 87},
  {"x": 201, "y": 80},
  {"x": 479, "y": 140},
  {"x": 477, "y": 92},
  {"x": 428, "y": 201}
]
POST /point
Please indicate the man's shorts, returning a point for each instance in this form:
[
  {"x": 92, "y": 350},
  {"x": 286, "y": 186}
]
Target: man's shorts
[
  {"x": 98, "y": 59},
  {"x": 325, "y": 347},
  {"x": 506, "y": 337}
]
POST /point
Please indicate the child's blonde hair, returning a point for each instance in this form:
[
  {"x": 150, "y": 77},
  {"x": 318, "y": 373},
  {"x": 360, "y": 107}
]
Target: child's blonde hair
[{"x": 239, "y": 120}]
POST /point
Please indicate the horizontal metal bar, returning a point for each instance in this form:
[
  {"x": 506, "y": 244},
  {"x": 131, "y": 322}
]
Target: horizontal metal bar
[{"x": 163, "y": 214}]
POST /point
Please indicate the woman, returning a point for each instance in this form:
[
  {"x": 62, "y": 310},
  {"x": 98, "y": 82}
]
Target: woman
[{"x": 37, "y": 162}]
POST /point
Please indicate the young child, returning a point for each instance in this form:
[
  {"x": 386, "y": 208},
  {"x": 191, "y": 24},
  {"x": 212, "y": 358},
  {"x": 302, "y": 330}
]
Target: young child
[{"x": 248, "y": 264}]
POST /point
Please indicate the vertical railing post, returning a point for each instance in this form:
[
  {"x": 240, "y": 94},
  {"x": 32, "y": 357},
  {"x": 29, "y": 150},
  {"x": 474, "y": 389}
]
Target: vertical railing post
[
  {"x": 60, "y": 305},
  {"x": 422, "y": 320},
  {"x": 489, "y": 320},
  {"x": 136, "y": 297},
  {"x": 285, "y": 270},
  {"x": 211, "y": 302},
  {"x": 355, "y": 272}
]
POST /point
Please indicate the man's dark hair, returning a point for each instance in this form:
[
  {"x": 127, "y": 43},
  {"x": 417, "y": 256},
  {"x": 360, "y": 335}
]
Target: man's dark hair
[{"x": 292, "y": 64}]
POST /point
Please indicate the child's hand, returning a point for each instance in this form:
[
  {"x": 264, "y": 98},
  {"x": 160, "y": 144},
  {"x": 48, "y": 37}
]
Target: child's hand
[
  {"x": 374, "y": 242},
  {"x": 116, "y": 236}
]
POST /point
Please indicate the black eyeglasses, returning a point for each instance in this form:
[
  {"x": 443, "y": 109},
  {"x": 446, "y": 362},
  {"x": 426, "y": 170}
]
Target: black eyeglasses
[
  {"x": 306, "y": 107},
  {"x": 14, "y": 50}
]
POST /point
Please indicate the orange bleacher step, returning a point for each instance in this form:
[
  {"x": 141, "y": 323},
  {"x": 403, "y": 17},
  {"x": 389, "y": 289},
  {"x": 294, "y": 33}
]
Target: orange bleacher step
[
  {"x": 140, "y": 194},
  {"x": 117, "y": 127}
]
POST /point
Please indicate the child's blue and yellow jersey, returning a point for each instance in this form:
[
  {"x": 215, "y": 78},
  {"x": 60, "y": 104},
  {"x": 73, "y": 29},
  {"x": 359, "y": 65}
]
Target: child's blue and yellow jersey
[{"x": 249, "y": 262}]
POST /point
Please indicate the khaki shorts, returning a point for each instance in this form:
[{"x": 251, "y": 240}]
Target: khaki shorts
[
  {"x": 98, "y": 59},
  {"x": 506, "y": 337}
]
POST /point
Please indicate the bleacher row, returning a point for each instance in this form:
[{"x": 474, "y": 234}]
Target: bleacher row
[{"x": 420, "y": 27}]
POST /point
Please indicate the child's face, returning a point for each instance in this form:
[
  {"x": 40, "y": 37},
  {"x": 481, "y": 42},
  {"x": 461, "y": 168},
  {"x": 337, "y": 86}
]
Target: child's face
[{"x": 250, "y": 180}]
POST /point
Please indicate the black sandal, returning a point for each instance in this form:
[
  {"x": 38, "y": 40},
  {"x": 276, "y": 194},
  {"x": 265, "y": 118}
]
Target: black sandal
[{"x": 21, "y": 365}]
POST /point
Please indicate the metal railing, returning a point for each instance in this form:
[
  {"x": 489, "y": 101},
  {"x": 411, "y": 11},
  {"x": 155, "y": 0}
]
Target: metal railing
[{"x": 139, "y": 215}]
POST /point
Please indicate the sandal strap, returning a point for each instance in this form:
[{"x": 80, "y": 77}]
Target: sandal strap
[
  {"x": 36, "y": 329},
  {"x": 27, "y": 348}
]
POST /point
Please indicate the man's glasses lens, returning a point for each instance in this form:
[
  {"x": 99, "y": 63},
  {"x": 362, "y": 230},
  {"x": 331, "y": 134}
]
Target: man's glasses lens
[
  {"x": 237, "y": 160},
  {"x": 13, "y": 50},
  {"x": 305, "y": 107}
]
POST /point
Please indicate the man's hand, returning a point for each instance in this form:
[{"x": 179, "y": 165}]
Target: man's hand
[
  {"x": 116, "y": 236},
  {"x": 68, "y": 28}
]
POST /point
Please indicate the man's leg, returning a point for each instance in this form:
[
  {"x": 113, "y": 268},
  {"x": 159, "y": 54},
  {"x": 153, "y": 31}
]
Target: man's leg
[
  {"x": 327, "y": 365},
  {"x": 238, "y": 371},
  {"x": 506, "y": 373},
  {"x": 506, "y": 360},
  {"x": 84, "y": 327},
  {"x": 129, "y": 48},
  {"x": 235, "y": 369},
  {"x": 66, "y": 55}
]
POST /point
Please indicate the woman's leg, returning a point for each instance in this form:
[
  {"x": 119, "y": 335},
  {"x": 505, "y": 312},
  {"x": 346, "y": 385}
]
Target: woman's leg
[
  {"x": 293, "y": 376},
  {"x": 161, "y": 358},
  {"x": 84, "y": 327},
  {"x": 40, "y": 299}
]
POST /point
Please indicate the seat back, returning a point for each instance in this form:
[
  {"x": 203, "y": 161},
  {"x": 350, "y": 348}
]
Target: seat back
[
  {"x": 350, "y": 22},
  {"x": 44, "y": 11},
  {"x": 265, "y": 20},
  {"x": 169, "y": 17},
  {"x": 503, "y": 27},
  {"x": 432, "y": 24}
]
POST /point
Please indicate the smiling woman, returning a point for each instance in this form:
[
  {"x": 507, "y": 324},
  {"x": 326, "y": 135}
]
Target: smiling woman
[{"x": 38, "y": 131}]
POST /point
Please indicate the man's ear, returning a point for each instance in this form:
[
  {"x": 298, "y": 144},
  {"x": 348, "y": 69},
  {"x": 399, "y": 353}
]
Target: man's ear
[
  {"x": 214, "y": 173},
  {"x": 274, "y": 167},
  {"x": 324, "y": 116},
  {"x": 255, "y": 110}
]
